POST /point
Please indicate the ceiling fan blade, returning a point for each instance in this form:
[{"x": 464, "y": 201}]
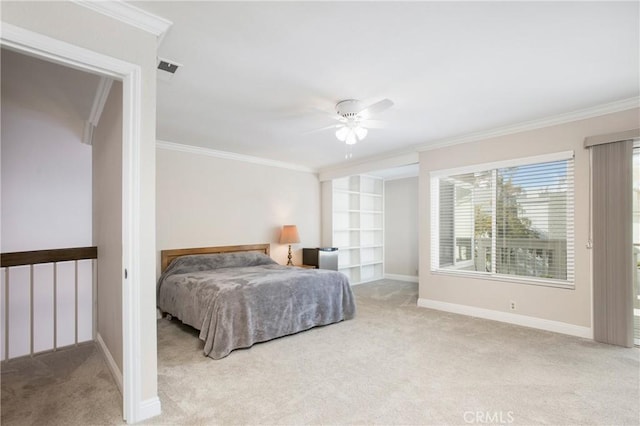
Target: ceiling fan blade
[
  {"x": 377, "y": 107},
  {"x": 324, "y": 112},
  {"x": 333, "y": 126},
  {"x": 373, "y": 124}
]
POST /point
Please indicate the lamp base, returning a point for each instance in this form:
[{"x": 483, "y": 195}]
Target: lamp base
[{"x": 290, "y": 263}]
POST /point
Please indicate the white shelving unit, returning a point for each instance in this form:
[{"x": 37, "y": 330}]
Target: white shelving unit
[{"x": 356, "y": 221}]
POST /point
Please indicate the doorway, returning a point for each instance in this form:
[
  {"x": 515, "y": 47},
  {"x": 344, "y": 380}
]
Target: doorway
[
  {"x": 37, "y": 45},
  {"x": 59, "y": 158}
]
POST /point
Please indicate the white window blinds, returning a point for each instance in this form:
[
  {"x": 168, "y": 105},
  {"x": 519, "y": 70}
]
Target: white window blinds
[{"x": 508, "y": 219}]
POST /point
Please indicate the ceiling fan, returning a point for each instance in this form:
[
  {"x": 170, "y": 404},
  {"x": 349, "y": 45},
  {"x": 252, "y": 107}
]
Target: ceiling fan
[{"x": 355, "y": 119}]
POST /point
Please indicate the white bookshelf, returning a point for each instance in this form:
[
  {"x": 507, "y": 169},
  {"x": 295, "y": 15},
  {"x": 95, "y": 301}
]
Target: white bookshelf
[{"x": 356, "y": 221}]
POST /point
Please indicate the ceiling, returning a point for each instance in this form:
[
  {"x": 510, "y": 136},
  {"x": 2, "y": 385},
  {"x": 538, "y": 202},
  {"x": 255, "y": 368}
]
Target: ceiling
[
  {"x": 31, "y": 83},
  {"x": 257, "y": 76}
]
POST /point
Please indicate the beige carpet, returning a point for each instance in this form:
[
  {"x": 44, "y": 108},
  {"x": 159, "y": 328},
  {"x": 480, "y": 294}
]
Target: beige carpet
[
  {"x": 68, "y": 387},
  {"x": 394, "y": 364}
]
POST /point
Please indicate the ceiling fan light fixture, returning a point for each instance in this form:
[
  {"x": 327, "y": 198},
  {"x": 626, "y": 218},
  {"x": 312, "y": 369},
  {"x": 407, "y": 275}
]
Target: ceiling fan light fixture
[
  {"x": 353, "y": 117},
  {"x": 342, "y": 133},
  {"x": 352, "y": 139},
  {"x": 351, "y": 134}
]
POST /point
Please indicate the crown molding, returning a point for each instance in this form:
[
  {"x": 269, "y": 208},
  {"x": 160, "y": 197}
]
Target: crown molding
[
  {"x": 410, "y": 156},
  {"x": 172, "y": 146},
  {"x": 368, "y": 164},
  {"x": 102, "y": 93},
  {"x": 582, "y": 114},
  {"x": 129, "y": 14},
  {"x": 406, "y": 175}
]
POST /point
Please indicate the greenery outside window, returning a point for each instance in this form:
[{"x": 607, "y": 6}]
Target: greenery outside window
[{"x": 508, "y": 219}]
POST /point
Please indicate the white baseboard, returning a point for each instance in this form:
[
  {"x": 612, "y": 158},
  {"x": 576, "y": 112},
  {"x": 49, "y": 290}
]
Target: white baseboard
[
  {"x": 398, "y": 277},
  {"x": 111, "y": 363},
  {"x": 523, "y": 320},
  {"x": 149, "y": 408}
]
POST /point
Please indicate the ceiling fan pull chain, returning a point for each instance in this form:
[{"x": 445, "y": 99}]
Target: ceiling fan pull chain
[{"x": 349, "y": 152}]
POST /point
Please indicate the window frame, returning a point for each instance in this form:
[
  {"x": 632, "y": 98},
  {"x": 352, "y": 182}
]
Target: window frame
[{"x": 434, "y": 212}]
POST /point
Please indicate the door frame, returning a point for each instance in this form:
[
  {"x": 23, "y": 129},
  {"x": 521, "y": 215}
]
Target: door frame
[{"x": 54, "y": 50}]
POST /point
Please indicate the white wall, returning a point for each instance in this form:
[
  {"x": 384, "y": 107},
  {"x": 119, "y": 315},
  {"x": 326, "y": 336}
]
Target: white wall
[
  {"x": 107, "y": 222},
  {"x": 46, "y": 170},
  {"x": 46, "y": 202},
  {"x": 401, "y": 227},
  {"x": 77, "y": 25},
  {"x": 207, "y": 201},
  {"x": 571, "y": 307}
]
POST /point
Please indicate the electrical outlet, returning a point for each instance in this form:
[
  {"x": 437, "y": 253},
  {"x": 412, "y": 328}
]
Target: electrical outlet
[{"x": 512, "y": 305}]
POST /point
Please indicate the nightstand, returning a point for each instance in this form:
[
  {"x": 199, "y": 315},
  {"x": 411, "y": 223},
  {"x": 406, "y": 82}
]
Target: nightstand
[
  {"x": 306, "y": 266},
  {"x": 321, "y": 257}
]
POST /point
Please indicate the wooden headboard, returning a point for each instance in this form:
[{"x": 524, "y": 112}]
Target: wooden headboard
[{"x": 168, "y": 255}]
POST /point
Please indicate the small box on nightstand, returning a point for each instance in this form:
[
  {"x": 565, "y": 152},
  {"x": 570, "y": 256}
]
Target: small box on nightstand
[{"x": 321, "y": 257}]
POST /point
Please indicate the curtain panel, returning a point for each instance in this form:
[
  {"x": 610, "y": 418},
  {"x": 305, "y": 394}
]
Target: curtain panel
[{"x": 613, "y": 267}]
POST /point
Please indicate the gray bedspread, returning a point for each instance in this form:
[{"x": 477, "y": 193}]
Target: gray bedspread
[{"x": 238, "y": 299}]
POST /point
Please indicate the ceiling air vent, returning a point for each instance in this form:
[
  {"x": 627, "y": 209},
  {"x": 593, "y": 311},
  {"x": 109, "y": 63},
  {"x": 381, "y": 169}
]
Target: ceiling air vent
[
  {"x": 167, "y": 66},
  {"x": 167, "y": 69}
]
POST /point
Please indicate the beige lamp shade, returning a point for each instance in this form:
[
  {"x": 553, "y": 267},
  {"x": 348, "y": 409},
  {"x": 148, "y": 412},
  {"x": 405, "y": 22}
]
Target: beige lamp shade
[{"x": 289, "y": 235}]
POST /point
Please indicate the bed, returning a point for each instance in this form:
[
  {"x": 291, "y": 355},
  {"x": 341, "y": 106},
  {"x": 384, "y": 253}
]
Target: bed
[{"x": 237, "y": 296}]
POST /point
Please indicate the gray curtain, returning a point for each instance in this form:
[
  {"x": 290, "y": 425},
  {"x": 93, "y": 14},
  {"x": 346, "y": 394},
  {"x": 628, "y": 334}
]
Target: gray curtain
[{"x": 613, "y": 267}]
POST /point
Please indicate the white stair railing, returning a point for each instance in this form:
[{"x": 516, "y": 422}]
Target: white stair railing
[{"x": 12, "y": 261}]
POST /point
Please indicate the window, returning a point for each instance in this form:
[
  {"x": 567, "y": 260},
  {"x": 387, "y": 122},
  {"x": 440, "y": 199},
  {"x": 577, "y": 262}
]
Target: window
[{"x": 507, "y": 219}]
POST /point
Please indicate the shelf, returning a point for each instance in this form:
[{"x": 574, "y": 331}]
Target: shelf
[
  {"x": 371, "y": 272},
  {"x": 346, "y": 191},
  {"x": 370, "y": 185},
  {"x": 349, "y": 183},
  {"x": 357, "y": 226},
  {"x": 348, "y": 266},
  {"x": 358, "y": 211},
  {"x": 358, "y": 265}
]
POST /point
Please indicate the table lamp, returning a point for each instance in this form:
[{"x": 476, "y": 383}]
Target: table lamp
[{"x": 289, "y": 235}]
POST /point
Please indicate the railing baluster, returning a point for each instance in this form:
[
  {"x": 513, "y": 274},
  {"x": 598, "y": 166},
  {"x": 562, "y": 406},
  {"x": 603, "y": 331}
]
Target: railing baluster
[
  {"x": 55, "y": 306},
  {"x": 31, "y": 308},
  {"x": 31, "y": 258},
  {"x": 76, "y": 301},
  {"x": 6, "y": 313}
]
